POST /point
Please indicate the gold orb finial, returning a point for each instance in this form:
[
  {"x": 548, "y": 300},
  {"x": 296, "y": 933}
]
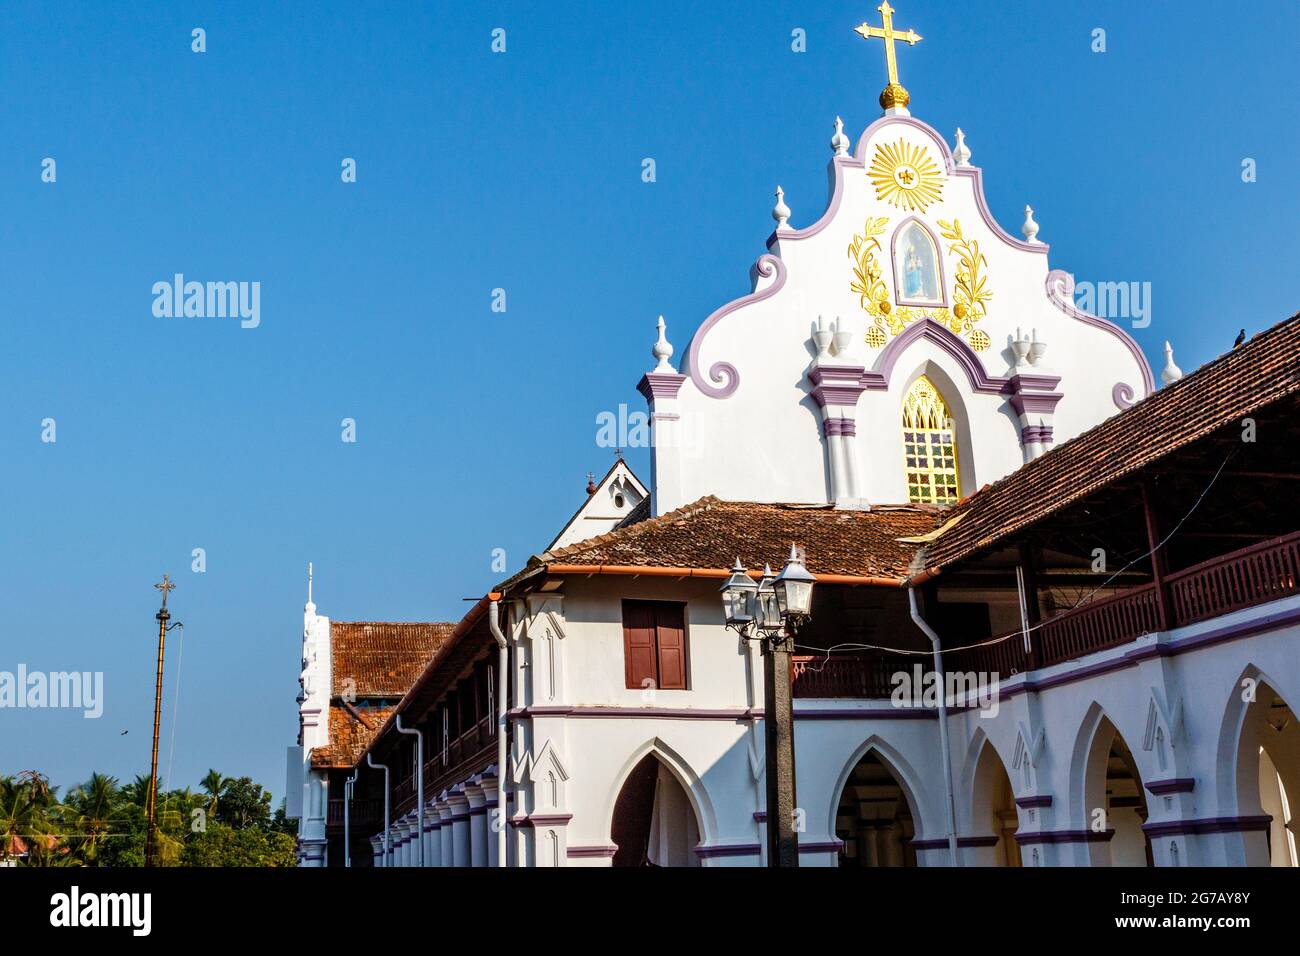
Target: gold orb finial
[{"x": 894, "y": 95}]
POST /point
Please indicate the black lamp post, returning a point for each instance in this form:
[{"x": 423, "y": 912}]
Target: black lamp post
[{"x": 770, "y": 612}]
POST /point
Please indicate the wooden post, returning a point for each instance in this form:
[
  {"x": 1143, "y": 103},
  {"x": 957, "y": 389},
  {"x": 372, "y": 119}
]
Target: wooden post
[{"x": 1157, "y": 558}]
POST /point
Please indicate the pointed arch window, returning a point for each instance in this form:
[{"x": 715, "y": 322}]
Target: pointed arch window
[{"x": 929, "y": 446}]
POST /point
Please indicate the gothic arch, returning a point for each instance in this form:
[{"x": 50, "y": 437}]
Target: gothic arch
[
  {"x": 1258, "y": 739},
  {"x": 896, "y": 763},
  {"x": 689, "y": 780},
  {"x": 1093, "y": 787},
  {"x": 957, "y": 411},
  {"x": 990, "y": 808},
  {"x": 940, "y": 277}
]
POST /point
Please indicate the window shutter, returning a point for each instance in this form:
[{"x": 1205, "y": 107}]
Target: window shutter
[
  {"x": 639, "y": 644},
  {"x": 670, "y": 629}
]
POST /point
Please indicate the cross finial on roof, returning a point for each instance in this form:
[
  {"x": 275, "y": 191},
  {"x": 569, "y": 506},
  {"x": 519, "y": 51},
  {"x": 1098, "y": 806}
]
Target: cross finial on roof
[
  {"x": 894, "y": 95},
  {"x": 167, "y": 585}
]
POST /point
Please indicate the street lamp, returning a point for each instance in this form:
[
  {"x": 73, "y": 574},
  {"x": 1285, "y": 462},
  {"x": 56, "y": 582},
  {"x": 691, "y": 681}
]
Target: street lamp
[{"x": 770, "y": 612}]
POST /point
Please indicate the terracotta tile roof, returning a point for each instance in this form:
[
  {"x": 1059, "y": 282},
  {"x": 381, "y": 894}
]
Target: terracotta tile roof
[
  {"x": 1258, "y": 373},
  {"x": 710, "y": 533},
  {"x": 351, "y": 730},
  {"x": 381, "y": 659}
]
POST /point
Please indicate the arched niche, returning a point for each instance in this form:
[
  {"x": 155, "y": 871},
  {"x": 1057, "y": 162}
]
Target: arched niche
[{"x": 918, "y": 266}]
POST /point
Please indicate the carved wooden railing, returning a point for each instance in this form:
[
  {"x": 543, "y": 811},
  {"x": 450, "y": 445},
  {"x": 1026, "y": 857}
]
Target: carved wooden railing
[
  {"x": 1097, "y": 625},
  {"x": 1263, "y": 572},
  {"x": 842, "y": 675}
]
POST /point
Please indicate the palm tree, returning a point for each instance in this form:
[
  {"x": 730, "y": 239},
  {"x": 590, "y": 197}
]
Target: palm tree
[
  {"x": 25, "y": 805},
  {"x": 91, "y": 811},
  {"x": 213, "y": 784}
]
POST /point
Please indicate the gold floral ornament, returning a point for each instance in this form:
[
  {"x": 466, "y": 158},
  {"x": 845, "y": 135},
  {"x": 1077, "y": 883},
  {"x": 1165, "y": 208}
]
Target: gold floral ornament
[
  {"x": 970, "y": 288},
  {"x": 868, "y": 281},
  {"x": 905, "y": 176}
]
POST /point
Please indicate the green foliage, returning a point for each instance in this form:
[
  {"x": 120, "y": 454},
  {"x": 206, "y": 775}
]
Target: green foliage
[
  {"x": 103, "y": 823},
  {"x": 222, "y": 845}
]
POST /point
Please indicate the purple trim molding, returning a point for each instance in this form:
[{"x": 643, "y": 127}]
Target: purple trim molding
[
  {"x": 980, "y": 380},
  {"x": 590, "y": 852},
  {"x": 655, "y": 385},
  {"x": 1060, "y": 292},
  {"x": 966, "y": 842},
  {"x": 1208, "y": 825},
  {"x": 1121, "y": 393},
  {"x": 542, "y": 820},
  {"x": 1042, "y": 434},
  {"x": 1029, "y": 803},
  {"x": 837, "y": 384},
  {"x": 733, "y": 849},
  {"x": 829, "y": 846},
  {"x": 1064, "y": 836},
  {"x": 858, "y": 160},
  {"x": 840, "y": 426},
  {"x": 1172, "y": 785},
  {"x": 725, "y": 378},
  {"x": 938, "y": 255},
  {"x": 889, "y": 713},
  {"x": 672, "y": 713}
]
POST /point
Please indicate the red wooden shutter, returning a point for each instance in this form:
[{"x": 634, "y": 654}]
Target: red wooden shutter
[
  {"x": 670, "y": 631},
  {"x": 639, "y": 644}
]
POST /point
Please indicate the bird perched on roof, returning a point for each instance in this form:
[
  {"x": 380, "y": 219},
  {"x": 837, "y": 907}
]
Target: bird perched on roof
[{"x": 1241, "y": 337}]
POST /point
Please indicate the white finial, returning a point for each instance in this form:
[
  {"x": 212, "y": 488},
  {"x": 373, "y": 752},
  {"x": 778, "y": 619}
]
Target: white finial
[
  {"x": 1030, "y": 228},
  {"x": 781, "y": 212},
  {"x": 1036, "y": 348},
  {"x": 1171, "y": 372},
  {"x": 1020, "y": 347},
  {"x": 961, "y": 155},
  {"x": 310, "y": 604},
  {"x": 822, "y": 337},
  {"x": 840, "y": 142},
  {"x": 663, "y": 350},
  {"x": 843, "y": 339}
]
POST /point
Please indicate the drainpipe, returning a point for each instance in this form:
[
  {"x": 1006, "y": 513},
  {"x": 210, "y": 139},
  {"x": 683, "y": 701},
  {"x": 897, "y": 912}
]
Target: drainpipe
[
  {"x": 388, "y": 833},
  {"x": 419, "y": 779},
  {"x": 348, "y": 786},
  {"x": 503, "y": 773},
  {"x": 943, "y": 724}
]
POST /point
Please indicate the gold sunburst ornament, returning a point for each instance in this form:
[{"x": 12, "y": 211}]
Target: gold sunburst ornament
[{"x": 905, "y": 176}]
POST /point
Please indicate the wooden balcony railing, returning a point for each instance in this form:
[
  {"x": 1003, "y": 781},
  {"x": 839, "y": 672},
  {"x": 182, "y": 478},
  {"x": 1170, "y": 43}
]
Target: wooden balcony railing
[
  {"x": 1231, "y": 582},
  {"x": 859, "y": 675},
  {"x": 1254, "y": 575},
  {"x": 364, "y": 813},
  {"x": 455, "y": 761},
  {"x": 1099, "y": 624}
]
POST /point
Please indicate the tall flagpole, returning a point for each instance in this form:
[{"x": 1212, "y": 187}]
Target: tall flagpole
[{"x": 163, "y": 616}]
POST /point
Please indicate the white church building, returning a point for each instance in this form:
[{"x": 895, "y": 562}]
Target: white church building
[{"x": 910, "y": 395}]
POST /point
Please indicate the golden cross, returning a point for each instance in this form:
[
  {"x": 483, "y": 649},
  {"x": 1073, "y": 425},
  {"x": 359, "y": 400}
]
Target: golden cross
[
  {"x": 166, "y": 586},
  {"x": 887, "y": 33}
]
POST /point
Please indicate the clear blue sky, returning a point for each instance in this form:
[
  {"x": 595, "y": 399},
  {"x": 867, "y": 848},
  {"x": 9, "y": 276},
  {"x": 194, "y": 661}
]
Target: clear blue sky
[{"x": 478, "y": 171}]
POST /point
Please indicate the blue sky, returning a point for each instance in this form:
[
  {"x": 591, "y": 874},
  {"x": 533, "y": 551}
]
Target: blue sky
[{"x": 479, "y": 171}]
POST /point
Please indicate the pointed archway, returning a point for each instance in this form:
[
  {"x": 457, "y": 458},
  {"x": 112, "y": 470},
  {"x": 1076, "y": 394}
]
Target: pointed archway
[
  {"x": 993, "y": 814},
  {"x": 654, "y": 822},
  {"x": 874, "y": 817},
  {"x": 1261, "y": 776},
  {"x": 1114, "y": 800}
]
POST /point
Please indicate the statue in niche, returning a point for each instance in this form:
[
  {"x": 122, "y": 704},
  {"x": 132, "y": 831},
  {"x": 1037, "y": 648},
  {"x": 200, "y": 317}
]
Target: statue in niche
[{"x": 920, "y": 273}]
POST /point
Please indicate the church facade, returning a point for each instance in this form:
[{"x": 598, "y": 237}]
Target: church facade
[{"x": 1099, "y": 580}]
